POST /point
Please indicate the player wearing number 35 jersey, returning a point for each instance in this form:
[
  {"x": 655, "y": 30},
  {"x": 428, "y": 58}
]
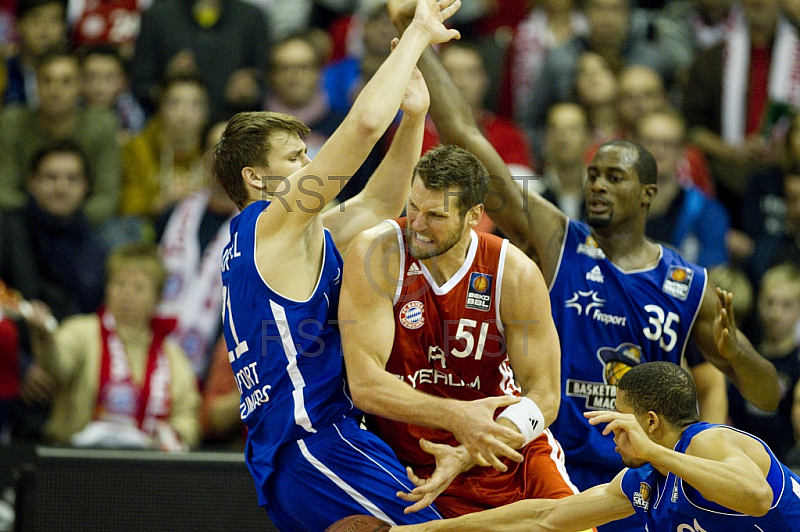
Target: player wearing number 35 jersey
[
  {"x": 441, "y": 328},
  {"x": 623, "y": 318}
]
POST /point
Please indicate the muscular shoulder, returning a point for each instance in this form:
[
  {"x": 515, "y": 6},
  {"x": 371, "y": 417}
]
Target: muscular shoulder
[
  {"x": 716, "y": 444},
  {"x": 381, "y": 237}
]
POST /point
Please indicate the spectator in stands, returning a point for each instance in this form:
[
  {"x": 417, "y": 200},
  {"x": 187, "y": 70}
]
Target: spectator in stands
[
  {"x": 549, "y": 24},
  {"x": 111, "y": 23},
  {"x": 467, "y": 67},
  {"x": 164, "y": 163},
  {"x": 681, "y": 217},
  {"x": 42, "y": 28},
  {"x": 295, "y": 71},
  {"x": 344, "y": 78},
  {"x": 779, "y": 314},
  {"x": 703, "y": 23},
  {"x": 48, "y": 249},
  {"x": 763, "y": 208},
  {"x": 226, "y": 40},
  {"x": 59, "y": 116},
  {"x": 784, "y": 246},
  {"x": 50, "y": 253},
  {"x": 566, "y": 143},
  {"x": 641, "y": 90},
  {"x": 739, "y": 96},
  {"x": 596, "y": 90},
  {"x": 105, "y": 86},
  {"x": 121, "y": 382},
  {"x": 612, "y": 35},
  {"x": 191, "y": 237}
]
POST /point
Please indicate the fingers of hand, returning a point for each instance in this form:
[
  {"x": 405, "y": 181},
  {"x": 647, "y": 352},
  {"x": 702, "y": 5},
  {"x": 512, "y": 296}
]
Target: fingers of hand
[{"x": 423, "y": 503}]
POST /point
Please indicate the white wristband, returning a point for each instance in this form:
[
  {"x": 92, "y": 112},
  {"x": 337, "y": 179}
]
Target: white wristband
[{"x": 527, "y": 417}]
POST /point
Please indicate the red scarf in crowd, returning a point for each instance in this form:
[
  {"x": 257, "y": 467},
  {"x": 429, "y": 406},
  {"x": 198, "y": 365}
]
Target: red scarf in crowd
[{"x": 121, "y": 399}]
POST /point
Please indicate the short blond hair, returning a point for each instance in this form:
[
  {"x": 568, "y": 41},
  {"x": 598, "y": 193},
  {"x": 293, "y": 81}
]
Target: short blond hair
[{"x": 141, "y": 255}]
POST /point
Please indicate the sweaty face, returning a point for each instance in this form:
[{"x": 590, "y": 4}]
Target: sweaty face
[
  {"x": 624, "y": 408},
  {"x": 612, "y": 192},
  {"x": 434, "y": 224}
]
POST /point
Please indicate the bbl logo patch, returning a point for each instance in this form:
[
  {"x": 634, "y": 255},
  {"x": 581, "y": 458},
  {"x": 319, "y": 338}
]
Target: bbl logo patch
[
  {"x": 642, "y": 497},
  {"x": 678, "y": 282},
  {"x": 479, "y": 294},
  {"x": 411, "y": 315}
]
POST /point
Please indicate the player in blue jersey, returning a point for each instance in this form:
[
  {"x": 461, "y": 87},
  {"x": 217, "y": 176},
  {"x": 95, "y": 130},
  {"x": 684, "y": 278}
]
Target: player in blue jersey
[
  {"x": 281, "y": 274},
  {"x": 617, "y": 299},
  {"x": 684, "y": 475}
]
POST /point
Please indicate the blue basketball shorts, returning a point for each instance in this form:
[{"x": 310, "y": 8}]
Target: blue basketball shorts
[{"x": 339, "y": 471}]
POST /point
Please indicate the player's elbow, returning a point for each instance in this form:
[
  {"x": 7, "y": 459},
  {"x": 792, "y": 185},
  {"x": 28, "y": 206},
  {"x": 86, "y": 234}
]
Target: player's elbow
[
  {"x": 369, "y": 126},
  {"x": 758, "y": 500},
  {"x": 363, "y": 397}
]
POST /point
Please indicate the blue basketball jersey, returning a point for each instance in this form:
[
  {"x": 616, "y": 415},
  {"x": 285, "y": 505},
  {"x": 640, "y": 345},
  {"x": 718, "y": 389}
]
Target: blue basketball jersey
[
  {"x": 610, "y": 320},
  {"x": 668, "y": 504},
  {"x": 286, "y": 355}
]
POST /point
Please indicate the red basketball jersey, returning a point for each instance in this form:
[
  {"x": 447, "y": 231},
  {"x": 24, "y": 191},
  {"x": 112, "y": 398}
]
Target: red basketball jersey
[{"x": 448, "y": 339}]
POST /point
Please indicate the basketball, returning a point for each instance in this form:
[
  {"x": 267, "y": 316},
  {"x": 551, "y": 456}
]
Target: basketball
[{"x": 359, "y": 523}]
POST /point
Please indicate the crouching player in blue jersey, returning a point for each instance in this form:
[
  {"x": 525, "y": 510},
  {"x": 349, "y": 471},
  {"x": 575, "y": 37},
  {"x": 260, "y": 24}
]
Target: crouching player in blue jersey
[
  {"x": 683, "y": 475},
  {"x": 281, "y": 275}
]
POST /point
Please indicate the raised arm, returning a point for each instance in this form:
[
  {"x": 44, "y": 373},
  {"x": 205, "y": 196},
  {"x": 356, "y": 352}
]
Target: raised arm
[
  {"x": 531, "y": 337},
  {"x": 725, "y": 346},
  {"x": 366, "y": 315},
  {"x": 387, "y": 189},
  {"x": 531, "y": 223},
  {"x": 305, "y": 193},
  {"x": 582, "y": 511}
]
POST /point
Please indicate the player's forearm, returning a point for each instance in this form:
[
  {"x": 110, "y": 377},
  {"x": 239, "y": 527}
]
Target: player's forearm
[
  {"x": 754, "y": 375},
  {"x": 719, "y": 482},
  {"x": 388, "y": 188},
  {"x": 380, "y": 393}
]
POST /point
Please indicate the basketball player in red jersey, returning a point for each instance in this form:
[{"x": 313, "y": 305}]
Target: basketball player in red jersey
[{"x": 440, "y": 327}]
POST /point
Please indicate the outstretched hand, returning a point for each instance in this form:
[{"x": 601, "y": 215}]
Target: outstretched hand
[
  {"x": 629, "y": 436},
  {"x": 430, "y": 16},
  {"x": 485, "y": 439},
  {"x": 725, "y": 325},
  {"x": 416, "y": 99},
  {"x": 450, "y": 461}
]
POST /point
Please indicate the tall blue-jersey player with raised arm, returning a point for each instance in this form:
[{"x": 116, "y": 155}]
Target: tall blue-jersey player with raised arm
[{"x": 311, "y": 463}]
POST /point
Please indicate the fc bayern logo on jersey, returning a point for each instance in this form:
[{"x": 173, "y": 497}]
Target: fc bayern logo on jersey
[
  {"x": 411, "y": 315},
  {"x": 479, "y": 295}
]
